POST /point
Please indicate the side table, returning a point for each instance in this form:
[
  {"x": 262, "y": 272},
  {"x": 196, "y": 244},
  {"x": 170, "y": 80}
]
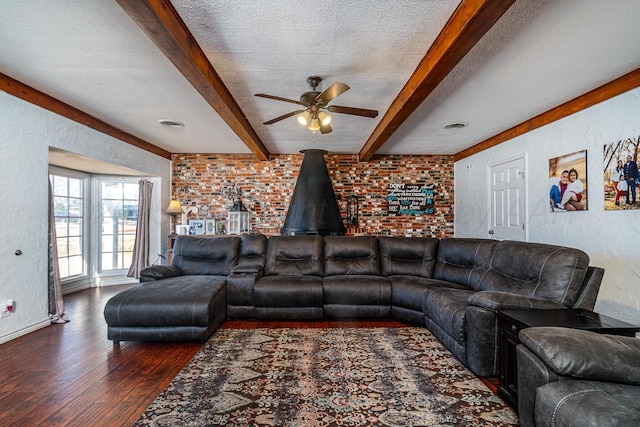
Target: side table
[{"x": 512, "y": 321}]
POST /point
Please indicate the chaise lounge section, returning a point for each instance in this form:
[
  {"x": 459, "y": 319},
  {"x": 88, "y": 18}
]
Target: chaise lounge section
[
  {"x": 186, "y": 301},
  {"x": 454, "y": 286}
]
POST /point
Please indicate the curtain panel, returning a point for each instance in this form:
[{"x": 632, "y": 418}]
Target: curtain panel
[
  {"x": 56, "y": 302},
  {"x": 141, "y": 246}
]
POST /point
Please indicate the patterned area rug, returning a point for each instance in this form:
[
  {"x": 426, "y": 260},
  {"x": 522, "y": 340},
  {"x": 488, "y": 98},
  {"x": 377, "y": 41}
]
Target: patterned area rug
[{"x": 326, "y": 377}]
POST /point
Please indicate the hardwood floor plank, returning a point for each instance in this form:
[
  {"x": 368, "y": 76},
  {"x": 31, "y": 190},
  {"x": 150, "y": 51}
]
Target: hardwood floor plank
[{"x": 71, "y": 375}]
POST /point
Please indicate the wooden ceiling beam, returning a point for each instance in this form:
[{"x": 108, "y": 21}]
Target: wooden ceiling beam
[
  {"x": 607, "y": 91},
  {"x": 162, "y": 24},
  {"x": 468, "y": 24},
  {"x": 41, "y": 99}
]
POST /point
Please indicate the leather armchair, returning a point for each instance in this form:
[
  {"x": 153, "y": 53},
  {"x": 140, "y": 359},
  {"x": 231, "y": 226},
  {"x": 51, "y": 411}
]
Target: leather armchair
[{"x": 571, "y": 377}]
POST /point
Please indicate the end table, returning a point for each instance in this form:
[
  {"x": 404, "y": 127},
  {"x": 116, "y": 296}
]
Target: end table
[{"x": 512, "y": 321}]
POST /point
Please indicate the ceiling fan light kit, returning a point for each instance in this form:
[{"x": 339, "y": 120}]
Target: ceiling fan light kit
[{"x": 313, "y": 117}]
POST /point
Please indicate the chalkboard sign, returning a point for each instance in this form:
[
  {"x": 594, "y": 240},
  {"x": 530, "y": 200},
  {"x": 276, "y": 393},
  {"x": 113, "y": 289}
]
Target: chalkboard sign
[{"x": 409, "y": 199}]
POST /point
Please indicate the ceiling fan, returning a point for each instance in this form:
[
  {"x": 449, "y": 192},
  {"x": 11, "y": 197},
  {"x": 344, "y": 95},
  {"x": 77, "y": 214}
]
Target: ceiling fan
[{"x": 313, "y": 116}]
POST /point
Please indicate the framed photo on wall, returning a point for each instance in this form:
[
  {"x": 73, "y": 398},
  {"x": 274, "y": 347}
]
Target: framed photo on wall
[
  {"x": 621, "y": 178},
  {"x": 568, "y": 182}
]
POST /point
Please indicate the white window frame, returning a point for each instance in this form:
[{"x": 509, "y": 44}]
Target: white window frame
[
  {"x": 80, "y": 281},
  {"x": 108, "y": 277}
]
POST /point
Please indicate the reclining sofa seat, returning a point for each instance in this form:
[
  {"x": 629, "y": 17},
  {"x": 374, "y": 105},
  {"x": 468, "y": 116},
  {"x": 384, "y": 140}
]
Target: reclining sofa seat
[
  {"x": 409, "y": 264},
  {"x": 499, "y": 275},
  {"x": 352, "y": 284},
  {"x": 291, "y": 287},
  {"x": 572, "y": 377},
  {"x": 185, "y": 301}
]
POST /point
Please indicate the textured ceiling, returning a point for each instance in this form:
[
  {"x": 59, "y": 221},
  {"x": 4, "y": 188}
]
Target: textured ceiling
[
  {"x": 258, "y": 48},
  {"x": 541, "y": 53}
]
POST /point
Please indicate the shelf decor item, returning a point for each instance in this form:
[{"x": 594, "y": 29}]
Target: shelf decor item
[
  {"x": 238, "y": 219},
  {"x": 196, "y": 226},
  {"x": 210, "y": 226}
]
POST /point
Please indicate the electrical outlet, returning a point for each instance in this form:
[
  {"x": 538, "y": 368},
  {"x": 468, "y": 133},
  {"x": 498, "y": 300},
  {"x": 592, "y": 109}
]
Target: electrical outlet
[{"x": 3, "y": 311}]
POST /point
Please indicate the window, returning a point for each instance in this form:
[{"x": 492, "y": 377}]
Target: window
[
  {"x": 69, "y": 195},
  {"x": 96, "y": 219},
  {"x": 118, "y": 220}
]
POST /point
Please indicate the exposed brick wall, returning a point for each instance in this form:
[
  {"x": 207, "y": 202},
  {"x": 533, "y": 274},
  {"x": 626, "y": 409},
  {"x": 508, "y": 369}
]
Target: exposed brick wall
[{"x": 267, "y": 187}]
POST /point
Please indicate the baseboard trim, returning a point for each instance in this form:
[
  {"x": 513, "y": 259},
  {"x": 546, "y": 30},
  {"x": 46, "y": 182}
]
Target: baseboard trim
[{"x": 24, "y": 331}]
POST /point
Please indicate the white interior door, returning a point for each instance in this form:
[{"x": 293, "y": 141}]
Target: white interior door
[{"x": 507, "y": 199}]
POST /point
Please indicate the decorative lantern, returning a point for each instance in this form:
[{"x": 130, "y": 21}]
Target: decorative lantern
[
  {"x": 238, "y": 221},
  {"x": 352, "y": 210}
]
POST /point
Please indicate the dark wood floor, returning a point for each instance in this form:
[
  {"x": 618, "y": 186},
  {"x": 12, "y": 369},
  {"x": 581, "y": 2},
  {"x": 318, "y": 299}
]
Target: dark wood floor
[{"x": 71, "y": 375}]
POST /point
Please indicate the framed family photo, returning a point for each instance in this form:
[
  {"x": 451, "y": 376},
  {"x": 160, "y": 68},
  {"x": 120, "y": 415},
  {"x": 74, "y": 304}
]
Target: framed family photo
[
  {"x": 196, "y": 226},
  {"x": 621, "y": 179},
  {"x": 568, "y": 182}
]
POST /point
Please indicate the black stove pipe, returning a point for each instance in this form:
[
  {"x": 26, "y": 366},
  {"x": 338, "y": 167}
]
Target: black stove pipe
[{"x": 314, "y": 208}]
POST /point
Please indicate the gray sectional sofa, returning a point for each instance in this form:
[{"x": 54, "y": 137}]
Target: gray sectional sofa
[{"x": 452, "y": 286}]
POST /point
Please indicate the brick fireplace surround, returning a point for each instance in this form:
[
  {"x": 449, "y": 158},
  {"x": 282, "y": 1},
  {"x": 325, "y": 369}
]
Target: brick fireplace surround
[{"x": 267, "y": 187}]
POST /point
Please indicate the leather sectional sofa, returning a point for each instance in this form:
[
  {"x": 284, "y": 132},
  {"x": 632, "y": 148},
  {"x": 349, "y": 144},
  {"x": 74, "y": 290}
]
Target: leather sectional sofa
[{"x": 452, "y": 286}]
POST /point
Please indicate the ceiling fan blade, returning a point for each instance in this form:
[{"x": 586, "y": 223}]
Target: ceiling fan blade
[
  {"x": 330, "y": 93},
  {"x": 353, "y": 111},
  {"x": 279, "y": 98},
  {"x": 325, "y": 129},
  {"x": 285, "y": 116}
]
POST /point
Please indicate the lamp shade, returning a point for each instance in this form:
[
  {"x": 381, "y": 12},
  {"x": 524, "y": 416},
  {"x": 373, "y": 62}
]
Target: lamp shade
[
  {"x": 303, "y": 118},
  {"x": 314, "y": 124},
  {"x": 174, "y": 207},
  {"x": 325, "y": 119}
]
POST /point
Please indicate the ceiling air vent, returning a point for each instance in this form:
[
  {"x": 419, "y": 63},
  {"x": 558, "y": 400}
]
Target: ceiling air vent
[
  {"x": 171, "y": 123},
  {"x": 459, "y": 125}
]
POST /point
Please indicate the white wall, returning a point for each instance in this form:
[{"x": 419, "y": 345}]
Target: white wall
[
  {"x": 26, "y": 132},
  {"x": 611, "y": 238}
]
